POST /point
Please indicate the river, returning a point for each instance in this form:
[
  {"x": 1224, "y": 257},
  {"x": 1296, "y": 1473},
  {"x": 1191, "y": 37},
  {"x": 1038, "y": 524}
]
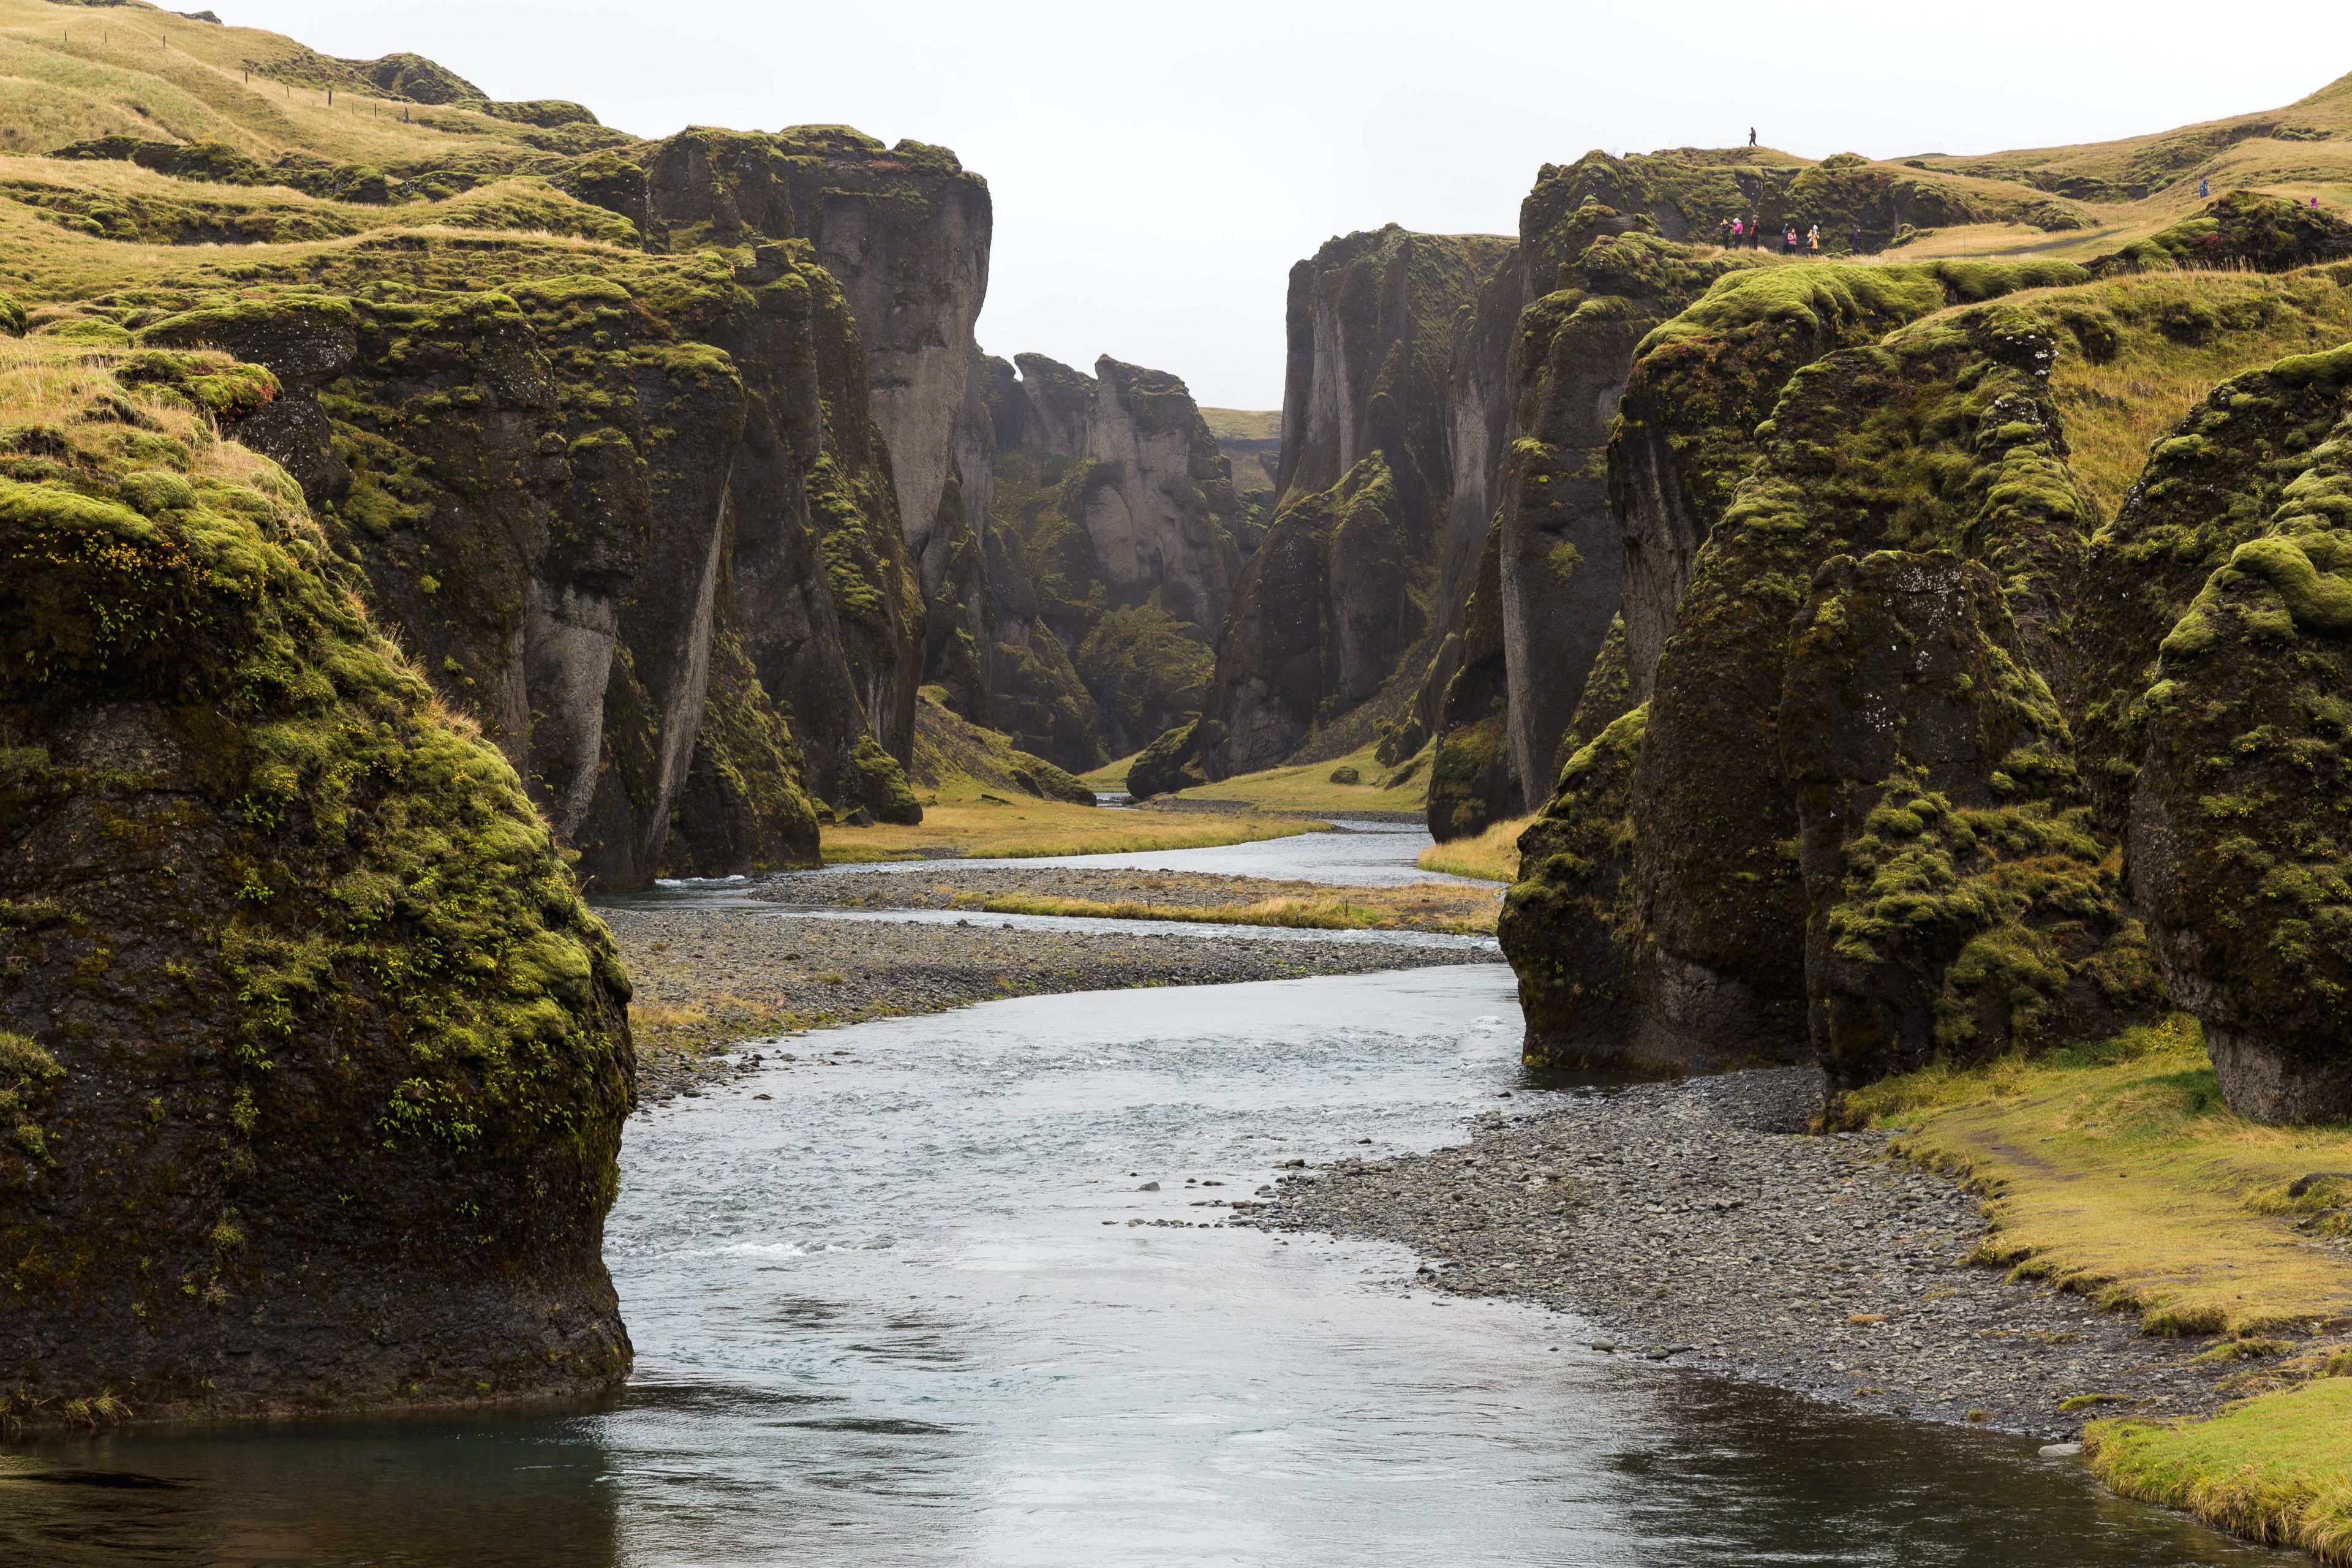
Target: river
[{"x": 906, "y": 1302}]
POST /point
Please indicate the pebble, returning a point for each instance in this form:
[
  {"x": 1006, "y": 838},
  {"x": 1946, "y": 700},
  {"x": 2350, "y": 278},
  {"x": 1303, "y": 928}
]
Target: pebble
[
  {"x": 722, "y": 976},
  {"x": 1695, "y": 1220}
]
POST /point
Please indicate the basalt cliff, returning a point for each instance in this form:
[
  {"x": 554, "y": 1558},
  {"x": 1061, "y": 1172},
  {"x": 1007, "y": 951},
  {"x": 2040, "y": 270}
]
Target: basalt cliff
[
  {"x": 1955, "y": 725},
  {"x": 1111, "y": 556}
]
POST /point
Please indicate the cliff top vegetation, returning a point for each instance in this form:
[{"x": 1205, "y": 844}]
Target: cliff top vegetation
[{"x": 72, "y": 74}]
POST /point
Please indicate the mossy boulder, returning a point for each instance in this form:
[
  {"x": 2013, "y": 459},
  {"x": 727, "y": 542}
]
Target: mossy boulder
[
  {"x": 882, "y": 785},
  {"x": 313, "y": 1059},
  {"x": 1944, "y": 437},
  {"x": 2236, "y": 846},
  {"x": 1172, "y": 761}
]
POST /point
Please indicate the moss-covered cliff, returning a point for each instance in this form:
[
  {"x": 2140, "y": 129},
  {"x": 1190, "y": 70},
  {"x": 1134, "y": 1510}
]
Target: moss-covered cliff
[
  {"x": 1115, "y": 517},
  {"x": 1919, "y": 756},
  {"x": 2224, "y": 752},
  {"x": 312, "y": 1062},
  {"x": 1609, "y": 248},
  {"x": 546, "y": 475},
  {"x": 1341, "y": 601}
]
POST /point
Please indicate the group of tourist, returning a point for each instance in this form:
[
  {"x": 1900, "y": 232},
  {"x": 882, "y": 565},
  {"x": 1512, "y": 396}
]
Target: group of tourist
[{"x": 1736, "y": 232}]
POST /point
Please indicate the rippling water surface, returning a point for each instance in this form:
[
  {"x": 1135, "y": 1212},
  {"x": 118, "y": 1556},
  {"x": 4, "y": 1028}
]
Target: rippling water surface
[{"x": 901, "y": 1312}]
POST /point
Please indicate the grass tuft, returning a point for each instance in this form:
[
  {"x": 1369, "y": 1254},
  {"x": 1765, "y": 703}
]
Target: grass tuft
[{"x": 1493, "y": 855}]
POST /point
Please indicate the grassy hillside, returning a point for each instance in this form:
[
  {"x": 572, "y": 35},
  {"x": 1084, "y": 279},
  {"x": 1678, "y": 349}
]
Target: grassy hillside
[
  {"x": 73, "y": 74},
  {"x": 2130, "y": 188}
]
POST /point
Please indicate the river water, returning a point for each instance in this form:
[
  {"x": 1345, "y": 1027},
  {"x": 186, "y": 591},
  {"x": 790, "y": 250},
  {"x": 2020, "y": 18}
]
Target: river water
[{"x": 914, "y": 1308}]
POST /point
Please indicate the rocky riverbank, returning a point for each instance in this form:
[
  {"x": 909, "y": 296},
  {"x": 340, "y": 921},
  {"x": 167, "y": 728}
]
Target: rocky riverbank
[
  {"x": 705, "y": 980},
  {"x": 1696, "y": 1222},
  {"x": 947, "y": 885}
]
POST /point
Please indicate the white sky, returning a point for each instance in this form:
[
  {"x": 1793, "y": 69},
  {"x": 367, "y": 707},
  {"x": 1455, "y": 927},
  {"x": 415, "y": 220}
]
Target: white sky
[{"x": 1157, "y": 169}]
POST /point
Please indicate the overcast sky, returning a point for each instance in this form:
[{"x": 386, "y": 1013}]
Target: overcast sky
[{"x": 1157, "y": 169}]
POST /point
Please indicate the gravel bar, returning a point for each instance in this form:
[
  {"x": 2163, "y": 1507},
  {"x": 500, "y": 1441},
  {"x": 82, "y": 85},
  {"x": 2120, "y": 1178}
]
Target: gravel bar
[
  {"x": 1696, "y": 1223},
  {"x": 707, "y": 979},
  {"x": 944, "y": 887}
]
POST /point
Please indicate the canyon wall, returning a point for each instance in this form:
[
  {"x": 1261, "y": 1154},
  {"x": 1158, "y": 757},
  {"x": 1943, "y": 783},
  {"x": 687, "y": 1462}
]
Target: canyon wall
[
  {"x": 1113, "y": 556},
  {"x": 1341, "y": 602},
  {"x": 1609, "y": 248},
  {"x": 1924, "y": 754}
]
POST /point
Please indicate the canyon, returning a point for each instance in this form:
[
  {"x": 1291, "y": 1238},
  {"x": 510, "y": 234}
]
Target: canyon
[{"x": 1916, "y": 654}]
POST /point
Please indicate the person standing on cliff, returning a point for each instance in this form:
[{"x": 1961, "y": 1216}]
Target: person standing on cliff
[
  {"x": 2204, "y": 189},
  {"x": 1751, "y": 136}
]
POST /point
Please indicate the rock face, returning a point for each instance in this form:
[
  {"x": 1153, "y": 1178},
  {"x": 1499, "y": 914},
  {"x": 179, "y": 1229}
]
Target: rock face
[
  {"x": 1846, "y": 470},
  {"x": 906, "y": 232},
  {"x": 1546, "y": 359},
  {"x": 591, "y": 502},
  {"x": 1932, "y": 765},
  {"x": 316, "y": 1063},
  {"x": 1958, "y": 904},
  {"x": 1172, "y": 761},
  {"x": 1884, "y": 763},
  {"x": 1609, "y": 280},
  {"x": 2225, "y": 749},
  {"x": 1116, "y": 513},
  {"x": 1342, "y": 599},
  {"x": 1566, "y": 926}
]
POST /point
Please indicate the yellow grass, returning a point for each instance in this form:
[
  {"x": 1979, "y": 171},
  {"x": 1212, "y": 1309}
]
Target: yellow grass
[
  {"x": 1308, "y": 788},
  {"x": 70, "y": 74},
  {"x": 2116, "y": 1171},
  {"x": 55, "y": 384},
  {"x": 1027, "y": 829},
  {"x": 1419, "y": 906},
  {"x": 1244, "y": 424},
  {"x": 1494, "y": 855},
  {"x": 2116, "y": 410},
  {"x": 1111, "y": 777}
]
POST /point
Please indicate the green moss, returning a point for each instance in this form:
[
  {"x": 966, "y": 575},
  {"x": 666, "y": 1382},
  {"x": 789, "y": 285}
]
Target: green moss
[
  {"x": 327, "y": 928},
  {"x": 1825, "y": 300},
  {"x": 2244, "y": 865}
]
